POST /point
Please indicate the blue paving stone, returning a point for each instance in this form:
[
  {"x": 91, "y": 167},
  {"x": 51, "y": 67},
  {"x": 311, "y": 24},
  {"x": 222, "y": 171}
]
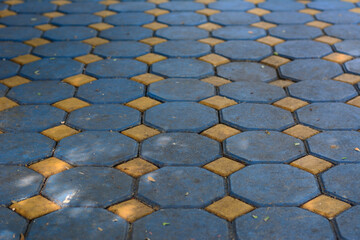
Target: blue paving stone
[
  {"x": 351, "y": 47},
  {"x": 339, "y": 17},
  {"x": 130, "y": 19},
  {"x": 330, "y": 116},
  {"x": 254, "y": 92},
  {"x": 288, "y": 17},
  {"x": 349, "y": 222},
  {"x": 262, "y": 116},
  {"x": 238, "y": 71},
  {"x": 111, "y": 91},
  {"x": 294, "y": 32},
  {"x": 8, "y": 69},
  {"x": 172, "y": 183},
  {"x": 274, "y": 185},
  {"x": 182, "y": 33},
  {"x": 18, "y": 183},
  {"x": 24, "y": 20},
  {"x": 70, "y": 33},
  {"x": 3, "y": 6},
  {"x": 343, "y": 181},
  {"x": 41, "y": 92},
  {"x": 181, "y": 116},
  {"x": 76, "y": 20},
  {"x": 132, "y": 7},
  {"x": 104, "y": 117},
  {"x": 183, "y": 68},
  {"x": 30, "y": 118},
  {"x": 330, "y": 5},
  {"x": 231, "y": 6},
  {"x": 281, "y": 6},
  {"x": 122, "y": 49},
  {"x": 174, "y": 89},
  {"x": 52, "y": 69},
  {"x": 11, "y": 224},
  {"x": 182, "y": 18},
  {"x": 239, "y": 33},
  {"x": 70, "y": 223},
  {"x": 24, "y": 148},
  {"x": 243, "y": 50},
  {"x": 33, "y": 7},
  {"x": 234, "y": 18},
  {"x": 109, "y": 68},
  {"x": 274, "y": 147},
  {"x": 353, "y": 66},
  {"x": 284, "y": 223},
  {"x": 181, "y": 6},
  {"x": 19, "y": 33},
  {"x": 126, "y": 33},
  {"x": 87, "y": 7},
  {"x": 336, "y": 146},
  {"x": 62, "y": 49},
  {"x": 182, "y": 48},
  {"x": 350, "y": 32},
  {"x": 176, "y": 149},
  {"x": 303, "y": 49},
  {"x": 310, "y": 69},
  {"x": 13, "y": 49},
  {"x": 88, "y": 187},
  {"x": 3, "y": 90},
  {"x": 184, "y": 224},
  {"x": 322, "y": 91}
]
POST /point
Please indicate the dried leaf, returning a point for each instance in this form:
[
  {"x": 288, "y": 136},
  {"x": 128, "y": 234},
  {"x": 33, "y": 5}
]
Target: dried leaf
[
  {"x": 357, "y": 149},
  {"x": 22, "y": 237},
  {"x": 151, "y": 179},
  {"x": 100, "y": 229}
]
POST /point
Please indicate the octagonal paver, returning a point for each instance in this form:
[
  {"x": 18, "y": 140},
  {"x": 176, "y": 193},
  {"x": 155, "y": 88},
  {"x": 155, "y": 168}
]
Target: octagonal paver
[
  {"x": 10, "y": 50},
  {"x": 104, "y": 117},
  {"x": 339, "y": 17},
  {"x": 70, "y": 33},
  {"x": 70, "y": 223},
  {"x": 239, "y": 33},
  {"x": 93, "y": 148},
  {"x": 19, "y": 33},
  {"x": 351, "y": 47},
  {"x": 294, "y": 32},
  {"x": 243, "y": 50},
  {"x": 231, "y": 5},
  {"x": 182, "y": 68},
  {"x": 88, "y": 187},
  {"x": 330, "y": 116},
  {"x": 182, "y": 33},
  {"x": 11, "y": 224},
  {"x": 281, "y": 6},
  {"x": 33, "y": 7},
  {"x": 353, "y": 66},
  {"x": 180, "y": 149},
  {"x": 234, "y": 18},
  {"x": 274, "y": 147},
  {"x": 347, "y": 32},
  {"x": 336, "y": 146},
  {"x": 129, "y": 18},
  {"x": 182, "y": 18},
  {"x": 181, "y": 187},
  {"x": 303, "y": 49},
  {"x": 82, "y": 7},
  {"x": 198, "y": 224},
  {"x": 348, "y": 223},
  {"x": 8, "y": 69},
  {"x": 181, "y": 116},
  {"x": 126, "y": 33},
  {"x": 132, "y": 6},
  {"x": 18, "y": 183},
  {"x": 248, "y": 71},
  {"x": 24, "y": 20},
  {"x": 110, "y": 68},
  {"x": 288, "y": 17},
  {"x": 283, "y": 223},
  {"x": 274, "y": 185},
  {"x": 310, "y": 69},
  {"x": 62, "y": 49},
  {"x": 263, "y": 116},
  {"x": 182, "y": 6},
  {"x": 182, "y": 48},
  {"x": 24, "y": 148},
  {"x": 28, "y": 118},
  {"x": 3, "y": 90},
  {"x": 52, "y": 69},
  {"x": 343, "y": 182},
  {"x": 122, "y": 49},
  {"x": 330, "y": 5},
  {"x": 76, "y": 20}
]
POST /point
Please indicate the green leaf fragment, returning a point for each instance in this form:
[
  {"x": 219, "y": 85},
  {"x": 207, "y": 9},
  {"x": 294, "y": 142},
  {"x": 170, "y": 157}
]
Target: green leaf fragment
[
  {"x": 266, "y": 218},
  {"x": 296, "y": 144},
  {"x": 254, "y": 216},
  {"x": 39, "y": 94},
  {"x": 344, "y": 158},
  {"x": 165, "y": 223},
  {"x": 276, "y": 53},
  {"x": 37, "y": 72}
]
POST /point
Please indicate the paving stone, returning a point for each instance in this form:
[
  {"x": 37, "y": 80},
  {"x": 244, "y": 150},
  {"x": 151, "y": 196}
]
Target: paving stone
[
  {"x": 274, "y": 185},
  {"x": 33, "y": 7},
  {"x": 18, "y": 33},
  {"x": 11, "y": 224},
  {"x": 182, "y": 68},
  {"x": 182, "y": 33},
  {"x": 70, "y": 33},
  {"x": 182, "y": 48},
  {"x": 76, "y": 20},
  {"x": 336, "y": 146},
  {"x": 339, "y": 17},
  {"x": 288, "y": 18},
  {"x": 274, "y": 147},
  {"x": 18, "y": 183},
  {"x": 181, "y": 6},
  {"x": 104, "y": 117},
  {"x": 330, "y": 116},
  {"x": 82, "y": 7},
  {"x": 62, "y": 49},
  {"x": 330, "y": 5},
  {"x": 70, "y": 223},
  {"x": 303, "y": 49},
  {"x": 199, "y": 224},
  {"x": 126, "y": 33},
  {"x": 353, "y": 66},
  {"x": 288, "y": 222},
  {"x": 239, "y": 33},
  {"x": 310, "y": 69},
  {"x": 41, "y": 92},
  {"x": 10, "y": 50},
  {"x": 51, "y": 69},
  {"x": 24, "y": 20},
  {"x": 248, "y": 71},
  {"x": 181, "y": 116},
  {"x": 3, "y": 90},
  {"x": 281, "y": 6},
  {"x": 322, "y": 91},
  {"x": 234, "y": 18},
  {"x": 243, "y": 50},
  {"x": 231, "y": 5},
  {"x": 348, "y": 223},
  {"x": 295, "y": 32},
  {"x": 111, "y": 68},
  {"x": 182, "y": 18},
  {"x": 181, "y": 187},
  {"x": 122, "y": 49},
  {"x": 350, "y": 47},
  {"x": 346, "y": 32},
  {"x": 132, "y": 6},
  {"x": 8, "y": 69},
  {"x": 24, "y": 148},
  {"x": 132, "y": 18}
]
